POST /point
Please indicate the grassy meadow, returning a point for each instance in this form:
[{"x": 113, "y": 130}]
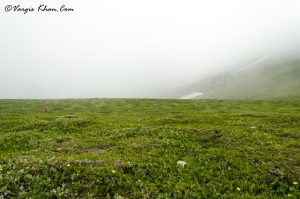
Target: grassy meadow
[{"x": 146, "y": 148}]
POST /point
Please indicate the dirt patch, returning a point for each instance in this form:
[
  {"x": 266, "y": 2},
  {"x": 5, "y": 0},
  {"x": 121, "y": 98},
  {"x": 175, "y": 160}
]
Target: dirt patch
[
  {"x": 98, "y": 163},
  {"x": 96, "y": 150},
  {"x": 102, "y": 148}
]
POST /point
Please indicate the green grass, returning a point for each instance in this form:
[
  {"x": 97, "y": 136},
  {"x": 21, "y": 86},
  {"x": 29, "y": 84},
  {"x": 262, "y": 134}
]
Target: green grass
[{"x": 114, "y": 148}]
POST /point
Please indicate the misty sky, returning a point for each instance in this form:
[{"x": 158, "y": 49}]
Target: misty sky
[{"x": 135, "y": 48}]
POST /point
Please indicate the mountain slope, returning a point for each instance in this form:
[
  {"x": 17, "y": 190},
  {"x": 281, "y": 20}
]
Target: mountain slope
[{"x": 262, "y": 81}]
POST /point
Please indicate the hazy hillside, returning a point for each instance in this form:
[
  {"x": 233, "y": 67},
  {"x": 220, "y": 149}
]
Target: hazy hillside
[{"x": 260, "y": 81}]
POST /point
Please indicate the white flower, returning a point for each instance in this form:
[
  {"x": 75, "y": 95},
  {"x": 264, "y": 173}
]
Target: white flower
[{"x": 181, "y": 163}]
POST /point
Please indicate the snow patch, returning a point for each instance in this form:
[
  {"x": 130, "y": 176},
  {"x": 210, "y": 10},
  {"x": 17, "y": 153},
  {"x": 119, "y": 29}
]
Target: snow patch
[
  {"x": 192, "y": 95},
  {"x": 260, "y": 60}
]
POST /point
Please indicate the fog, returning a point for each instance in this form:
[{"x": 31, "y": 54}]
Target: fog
[{"x": 136, "y": 48}]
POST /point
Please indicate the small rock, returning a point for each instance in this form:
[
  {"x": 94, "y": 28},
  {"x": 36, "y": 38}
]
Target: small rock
[{"x": 181, "y": 163}]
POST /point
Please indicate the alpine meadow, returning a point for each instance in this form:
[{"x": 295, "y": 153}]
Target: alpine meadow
[
  {"x": 148, "y": 148},
  {"x": 160, "y": 99}
]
